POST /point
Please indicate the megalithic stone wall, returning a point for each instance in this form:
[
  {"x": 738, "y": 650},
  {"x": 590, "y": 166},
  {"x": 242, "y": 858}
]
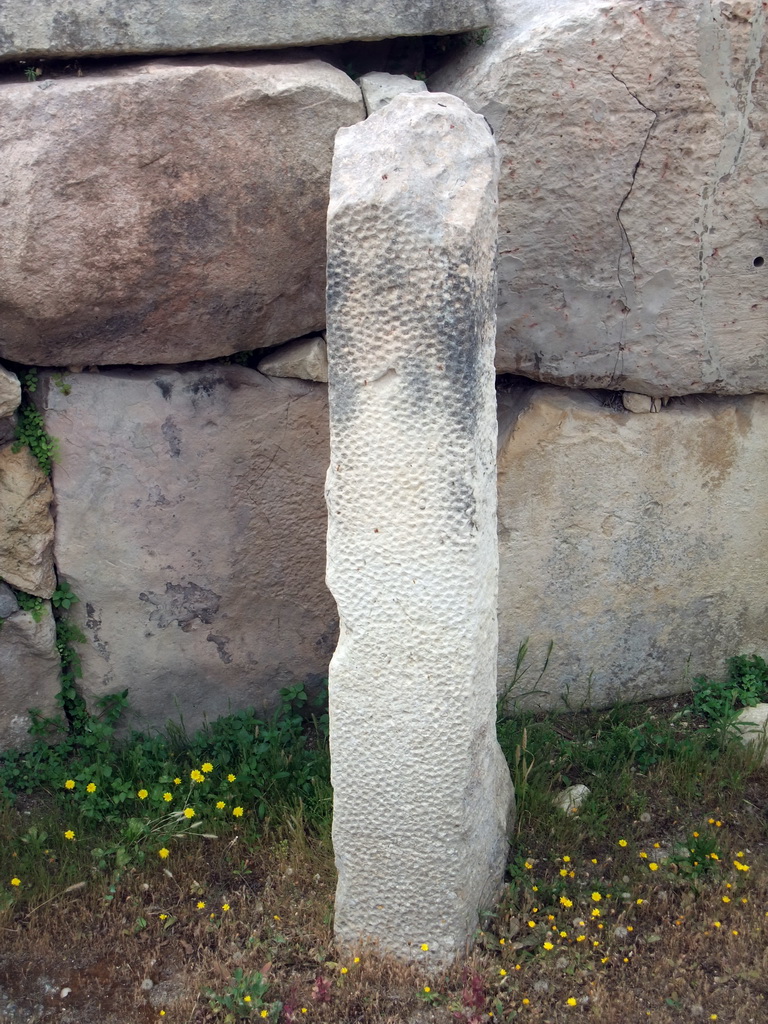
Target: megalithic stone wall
[{"x": 422, "y": 795}]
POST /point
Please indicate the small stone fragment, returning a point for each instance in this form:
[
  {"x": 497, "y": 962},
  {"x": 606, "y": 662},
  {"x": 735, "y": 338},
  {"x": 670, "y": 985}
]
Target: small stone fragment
[
  {"x": 8, "y": 603},
  {"x": 751, "y": 727},
  {"x": 380, "y": 88},
  {"x": 634, "y": 402},
  {"x": 305, "y": 359},
  {"x": 572, "y": 799}
]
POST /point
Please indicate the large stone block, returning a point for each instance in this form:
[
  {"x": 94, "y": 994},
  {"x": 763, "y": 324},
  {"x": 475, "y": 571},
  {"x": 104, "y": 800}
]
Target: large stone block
[
  {"x": 190, "y": 522},
  {"x": 26, "y": 523},
  {"x": 65, "y": 28},
  {"x": 634, "y": 191},
  {"x": 422, "y": 795},
  {"x": 29, "y": 674},
  {"x": 635, "y": 543},
  {"x": 168, "y": 211}
]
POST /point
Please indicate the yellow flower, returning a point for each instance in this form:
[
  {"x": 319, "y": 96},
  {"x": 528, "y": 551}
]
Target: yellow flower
[
  {"x": 15, "y": 881},
  {"x": 356, "y": 960},
  {"x": 69, "y": 834},
  {"x": 502, "y": 941},
  {"x": 427, "y": 988},
  {"x": 425, "y": 947},
  {"x": 571, "y": 1001},
  {"x": 566, "y": 902},
  {"x": 231, "y": 777},
  {"x": 528, "y": 865},
  {"x": 237, "y": 812},
  {"x": 622, "y": 842},
  {"x": 639, "y": 902},
  {"x": 167, "y": 797},
  {"x": 630, "y": 927},
  {"x": 653, "y": 867},
  {"x": 643, "y": 855},
  {"x": 344, "y": 970},
  {"x": 566, "y": 860},
  {"x": 177, "y": 782},
  {"x": 595, "y": 912},
  {"x": 548, "y": 945},
  {"x": 563, "y": 872},
  {"x": 581, "y": 938},
  {"x": 225, "y": 906},
  {"x": 142, "y": 794},
  {"x": 220, "y": 805},
  {"x": 207, "y": 767},
  {"x": 726, "y": 899},
  {"x": 717, "y": 924},
  {"x": 718, "y": 824},
  {"x": 596, "y": 897},
  {"x": 594, "y": 860},
  {"x": 531, "y": 924},
  {"x": 70, "y": 784},
  {"x": 563, "y": 935},
  {"x": 201, "y": 904},
  {"x": 91, "y": 787},
  {"x": 303, "y": 1009},
  {"x": 741, "y": 867},
  {"x": 695, "y": 835},
  {"x": 734, "y": 932},
  {"x": 526, "y": 1002},
  {"x": 275, "y": 917},
  {"x": 502, "y": 972},
  {"x": 163, "y": 917},
  {"x": 196, "y": 775},
  {"x": 188, "y": 812},
  {"x": 656, "y": 846},
  {"x": 714, "y": 856},
  {"x": 163, "y": 853}
]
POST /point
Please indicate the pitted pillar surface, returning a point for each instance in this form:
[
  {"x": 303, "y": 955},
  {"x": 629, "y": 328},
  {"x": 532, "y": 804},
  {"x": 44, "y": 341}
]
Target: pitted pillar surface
[{"x": 422, "y": 795}]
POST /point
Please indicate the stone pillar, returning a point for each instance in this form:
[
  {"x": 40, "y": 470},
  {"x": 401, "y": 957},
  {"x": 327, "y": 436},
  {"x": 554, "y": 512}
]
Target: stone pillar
[{"x": 422, "y": 795}]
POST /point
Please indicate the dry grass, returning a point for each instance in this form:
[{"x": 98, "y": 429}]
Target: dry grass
[{"x": 664, "y": 959}]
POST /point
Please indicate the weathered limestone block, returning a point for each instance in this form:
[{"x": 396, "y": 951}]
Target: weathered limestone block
[
  {"x": 634, "y": 191},
  {"x": 422, "y": 794},
  {"x": 379, "y": 88},
  {"x": 29, "y": 674},
  {"x": 26, "y": 523},
  {"x": 10, "y": 393},
  {"x": 305, "y": 358},
  {"x": 198, "y": 555},
  {"x": 204, "y": 186},
  {"x": 65, "y": 28},
  {"x": 633, "y": 402},
  {"x": 635, "y": 543}
]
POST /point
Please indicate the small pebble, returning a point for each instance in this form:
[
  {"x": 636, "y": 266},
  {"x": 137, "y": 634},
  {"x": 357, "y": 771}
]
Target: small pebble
[
  {"x": 64, "y": 993},
  {"x": 146, "y": 985}
]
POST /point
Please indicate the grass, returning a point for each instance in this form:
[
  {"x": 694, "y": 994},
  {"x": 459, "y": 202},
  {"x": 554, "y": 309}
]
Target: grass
[{"x": 651, "y": 903}]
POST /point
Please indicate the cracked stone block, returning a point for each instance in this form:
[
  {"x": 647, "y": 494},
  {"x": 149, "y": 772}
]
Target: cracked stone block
[
  {"x": 634, "y": 191},
  {"x": 199, "y": 556},
  {"x": 192, "y": 251},
  {"x": 63, "y": 28},
  {"x": 422, "y": 795},
  {"x": 29, "y": 673},
  {"x": 26, "y": 523},
  {"x": 633, "y": 543}
]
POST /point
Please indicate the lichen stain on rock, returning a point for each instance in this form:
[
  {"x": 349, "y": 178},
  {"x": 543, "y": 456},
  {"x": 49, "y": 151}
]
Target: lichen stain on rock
[
  {"x": 182, "y": 604},
  {"x": 172, "y": 435}
]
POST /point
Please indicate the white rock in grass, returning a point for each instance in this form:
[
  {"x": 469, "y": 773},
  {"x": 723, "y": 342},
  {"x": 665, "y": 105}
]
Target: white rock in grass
[
  {"x": 751, "y": 727},
  {"x": 572, "y": 799}
]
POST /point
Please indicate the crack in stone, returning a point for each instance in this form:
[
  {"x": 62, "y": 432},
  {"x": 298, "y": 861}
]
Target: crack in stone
[
  {"x": 624, "y": 234},
  {"x": 628, "y": 193}
]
